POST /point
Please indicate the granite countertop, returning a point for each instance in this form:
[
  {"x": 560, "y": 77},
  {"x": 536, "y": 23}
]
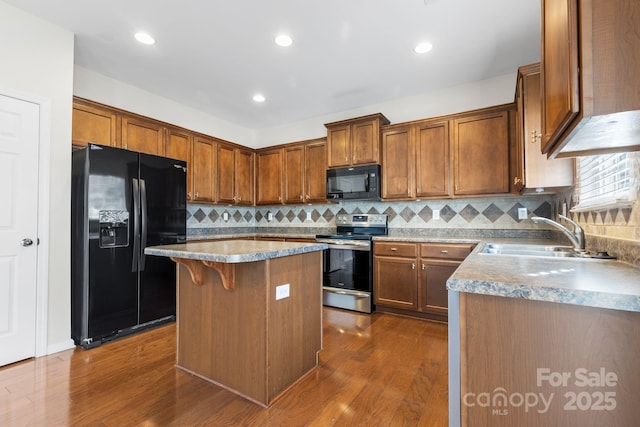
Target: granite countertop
[
  {"x": 196, "y": 237},
  {"x": 234, "y": 251},
  {"x": 580, "y": 281}
]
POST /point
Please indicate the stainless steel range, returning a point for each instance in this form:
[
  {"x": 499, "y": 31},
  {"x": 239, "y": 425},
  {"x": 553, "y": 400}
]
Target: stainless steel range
[{"x": 348, "y": 263}]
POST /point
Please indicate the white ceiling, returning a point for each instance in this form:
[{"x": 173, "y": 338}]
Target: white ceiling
[{"x": 213, "y": 55}]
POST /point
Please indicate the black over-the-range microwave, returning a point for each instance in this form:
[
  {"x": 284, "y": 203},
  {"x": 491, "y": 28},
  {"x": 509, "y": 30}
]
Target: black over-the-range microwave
[{"x": 354, "y": 183}]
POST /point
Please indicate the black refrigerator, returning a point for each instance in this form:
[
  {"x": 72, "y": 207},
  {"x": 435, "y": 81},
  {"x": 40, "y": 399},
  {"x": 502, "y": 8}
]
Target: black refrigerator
[{"x": 122, "y": 202}]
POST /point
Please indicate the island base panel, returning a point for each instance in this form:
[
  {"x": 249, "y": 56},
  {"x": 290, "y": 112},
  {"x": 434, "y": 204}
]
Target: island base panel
[{"x": 244, "y": 339}]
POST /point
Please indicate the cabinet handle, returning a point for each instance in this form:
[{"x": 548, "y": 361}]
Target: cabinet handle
[
  {"x": 279, "y": 198},
  {"x": 196, "y": 194},
  {"x": 444, "y": 251},
  {"x": 301, "y": 197},
  {"x": 413, "y": 265},
  {"x": 308, "y": 197},
  {"x": 393, "y": 249},
  {"x": 239, "y": 198},
  {"x": 517, "y": 181},
  {"x": 423, "y": 266},
  {"x": 188, "y": 194}
]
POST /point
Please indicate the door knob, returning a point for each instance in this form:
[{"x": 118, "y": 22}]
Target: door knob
[{"x": 26, "y": 242}]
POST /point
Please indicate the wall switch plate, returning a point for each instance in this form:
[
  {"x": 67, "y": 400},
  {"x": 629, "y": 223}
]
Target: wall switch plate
[
  {"x": 436, "y": 214},
  {"x": 564, "y": 209},
  {"x": 282, "y": 291},
  {"x": 308, "y": 216},
  {"x": 522, "y": 213},
  {"x": 269, "y": 216},
  {"x": 225, "y": 216}
]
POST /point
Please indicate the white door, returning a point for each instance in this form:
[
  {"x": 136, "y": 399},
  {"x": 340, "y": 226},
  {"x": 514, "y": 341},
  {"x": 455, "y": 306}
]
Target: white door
[{"x": 19, "y": 136}]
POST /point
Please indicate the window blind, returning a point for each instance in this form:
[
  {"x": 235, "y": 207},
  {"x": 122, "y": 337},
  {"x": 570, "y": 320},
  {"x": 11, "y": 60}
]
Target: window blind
[{"x": 605, "y": 181}]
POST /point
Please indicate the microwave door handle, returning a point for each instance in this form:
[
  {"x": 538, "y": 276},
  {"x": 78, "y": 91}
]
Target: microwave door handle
[{"x": 366, "y": 183}]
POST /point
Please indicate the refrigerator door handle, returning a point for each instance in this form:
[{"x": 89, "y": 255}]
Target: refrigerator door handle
[
  {"x": 143, "y": 244},
  {"x": 136, "y": 224}
]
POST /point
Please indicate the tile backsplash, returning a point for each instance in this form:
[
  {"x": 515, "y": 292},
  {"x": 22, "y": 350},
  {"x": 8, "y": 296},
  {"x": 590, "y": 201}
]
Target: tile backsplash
[{"x": 472, "y": 213}]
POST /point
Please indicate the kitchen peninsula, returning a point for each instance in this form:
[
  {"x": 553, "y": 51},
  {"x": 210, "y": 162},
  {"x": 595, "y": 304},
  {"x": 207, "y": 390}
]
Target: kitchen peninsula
[{"x": 249, "y": 313}]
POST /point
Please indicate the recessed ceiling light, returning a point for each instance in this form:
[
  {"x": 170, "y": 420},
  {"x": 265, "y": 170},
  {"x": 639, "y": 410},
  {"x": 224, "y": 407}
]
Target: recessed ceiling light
[
  {"x": 283, "y": 40},
  {"x": 423, "y": 47},
  {"x": 259, "y": 97},
  {"x": 145, "y": 38}
]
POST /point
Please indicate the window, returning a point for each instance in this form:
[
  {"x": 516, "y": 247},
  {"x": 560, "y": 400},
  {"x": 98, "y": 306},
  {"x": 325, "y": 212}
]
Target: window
[{"x": 606, "y": 181}]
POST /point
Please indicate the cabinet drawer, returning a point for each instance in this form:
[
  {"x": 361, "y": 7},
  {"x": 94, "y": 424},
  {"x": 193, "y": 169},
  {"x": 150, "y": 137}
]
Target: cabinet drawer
[
  {"x": 395, "y": 249},
  {"x": 447, "y": 250}
]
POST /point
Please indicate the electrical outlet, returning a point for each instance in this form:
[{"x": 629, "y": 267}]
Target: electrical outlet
[
  {"x": 436, "y": 214},
  {"x": 308, "y": 216},
  {"x": 522, "y": 213},
  {"x": 225, "y": 216},
  {"x": 269, "y": 216},
  {"x": 282, "y": 291}
]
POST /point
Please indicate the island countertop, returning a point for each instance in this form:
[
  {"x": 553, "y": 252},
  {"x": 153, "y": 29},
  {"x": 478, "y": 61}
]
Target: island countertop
[{"x": 234, "y": 251}]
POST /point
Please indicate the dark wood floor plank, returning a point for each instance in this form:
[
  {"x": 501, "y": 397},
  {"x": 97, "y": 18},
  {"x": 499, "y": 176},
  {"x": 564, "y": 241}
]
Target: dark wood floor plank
[{"x": 374, "y": 370}]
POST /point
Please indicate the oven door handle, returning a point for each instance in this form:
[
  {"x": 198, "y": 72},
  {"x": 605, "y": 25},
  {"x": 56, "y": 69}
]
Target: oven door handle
[
  {"x": 347, "y": 246},
  {"x": 346, "y": 292}
]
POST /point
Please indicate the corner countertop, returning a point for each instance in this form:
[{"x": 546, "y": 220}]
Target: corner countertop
[
  {"x": 587, "y": 282},
  {"x": 234, "y": 251}
]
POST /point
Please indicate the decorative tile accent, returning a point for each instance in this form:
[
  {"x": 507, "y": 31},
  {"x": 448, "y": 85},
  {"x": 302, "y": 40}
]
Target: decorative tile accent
[
  {"x": 199, "y": 215},
  {"x": 356, "y": 211},
  {"x": 328, "y": 215},
  {"x": 315, "y": 215},
  {"x": 391, "y": 214},
  {"x": 446, "y": 213},
  {"x": 373, "y": 211},
  {"x": 302, "y": 215},
  {"x": 247, "y": 216},
  {"x": 513, "y": 212},
  {"x": 407, "y": 214},
  {"x": 426, "y": 214},
  {"x": 290, "y": 215},
  {"x": 279, "y": 216},
  {"x": 237, "y": 216},
  {"x": 492, "y": 212},
  {"x": 342, "y": 212},
  {"x": 258, "y": 216},
  {"x": 214, "y": 215},
  {"x": 188, "y": 215},
  {"x": 469, "y": 213},
  {"x": 544, "y": 210}
]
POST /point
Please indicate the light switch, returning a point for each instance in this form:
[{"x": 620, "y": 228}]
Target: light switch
[
  {"x": 225, "y": 216},
  {"x": 308, "y": 216},
  {"x": 522, "y": 213},
  {"x": 282, "y": 291},
  {"x": 436, "y": 214}
]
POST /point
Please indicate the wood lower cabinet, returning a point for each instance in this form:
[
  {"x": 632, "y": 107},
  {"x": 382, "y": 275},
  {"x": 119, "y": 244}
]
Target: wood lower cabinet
[
  {"x": 411, "y": 278},
  {"x": 204, "y": 165},
  {"x": 144, "y": 136},
  {"x": 354, "y": 141},
  {"x": 481, "y": 157},
  {"x": 95, "y": 125}
]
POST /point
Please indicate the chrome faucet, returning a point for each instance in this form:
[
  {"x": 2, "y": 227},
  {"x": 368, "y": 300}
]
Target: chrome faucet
[{"x": 576, "y": 236}]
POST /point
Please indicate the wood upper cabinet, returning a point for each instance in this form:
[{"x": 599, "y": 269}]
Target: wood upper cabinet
[
  {"x": 315, "y": 171},
  {"x": 398, "y": 163},
  {"x": 590, "y": 56},
  {"x": 144, "y": 136},
  {"x": 92, "y": 124},
  {"x": 204, "y": 169},
  {"x": 235, "y": 175},
  {"x": 416, "y": 160},
  {"x": 433, "y": 160},
  {"x": 535, "y": 173},
  {"x": 294, "y": 174},
  {"x": 269, "y": 177},
  {"x": 481, "y": 156},
  {"x": 178, "y": 145},
  {"x": 355, "y": 141}
]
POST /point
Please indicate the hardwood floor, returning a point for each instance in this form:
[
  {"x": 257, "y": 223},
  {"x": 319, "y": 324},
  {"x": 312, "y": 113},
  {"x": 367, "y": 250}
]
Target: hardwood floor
[{"x": 374, "y": 370}]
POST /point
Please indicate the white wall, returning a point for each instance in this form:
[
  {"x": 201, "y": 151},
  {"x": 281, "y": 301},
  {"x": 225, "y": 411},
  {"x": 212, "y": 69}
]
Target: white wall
[
  {"x": 100, "y": 88},
  {"x": 37, "y": 60},
  {"x": 91, "y": 85}
]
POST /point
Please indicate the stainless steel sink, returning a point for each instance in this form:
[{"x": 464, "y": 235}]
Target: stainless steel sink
[{"x": 529, "y": 250}]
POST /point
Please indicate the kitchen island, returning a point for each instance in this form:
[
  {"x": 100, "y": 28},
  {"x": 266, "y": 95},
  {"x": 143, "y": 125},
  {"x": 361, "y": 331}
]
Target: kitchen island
[
  {"x": 249, "y": 313},
  {"x": 543, "y": 341}
]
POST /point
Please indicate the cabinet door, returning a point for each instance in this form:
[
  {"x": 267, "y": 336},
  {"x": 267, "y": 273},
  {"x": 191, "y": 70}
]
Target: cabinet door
[
  {"x": 226, "y": 178},
  {"x": 481, "y": 154},
  {"x": 432, "y": 174},
  {"x": 398, "y": 163},
  {"x": 178, "y": 146},
  {"x": 395, "y": 282},
  {"x": 95, "y": 125},
  {"x": 560, "y": 84},
  {"x": 294, "y": 174},
  {"x": 365, "y": 142},
  {"x": 142, "y": 136},
  {"x": 433, "y": 285},
  {"x": 339, "y": 145},
  {"x": 315, "y": 176},
  {"x": 269, "y": 177},
  {"x": 244, "y": 177},
  {"x": 204, "y": 152}
]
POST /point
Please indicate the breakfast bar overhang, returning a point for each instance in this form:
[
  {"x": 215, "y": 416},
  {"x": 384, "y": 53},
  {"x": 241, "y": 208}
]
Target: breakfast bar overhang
[{"x": 249, "y": 313}]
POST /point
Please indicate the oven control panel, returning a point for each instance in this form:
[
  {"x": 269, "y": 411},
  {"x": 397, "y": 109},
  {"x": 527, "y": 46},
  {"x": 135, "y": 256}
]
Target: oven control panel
[{"x": 361, "y": 220}]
